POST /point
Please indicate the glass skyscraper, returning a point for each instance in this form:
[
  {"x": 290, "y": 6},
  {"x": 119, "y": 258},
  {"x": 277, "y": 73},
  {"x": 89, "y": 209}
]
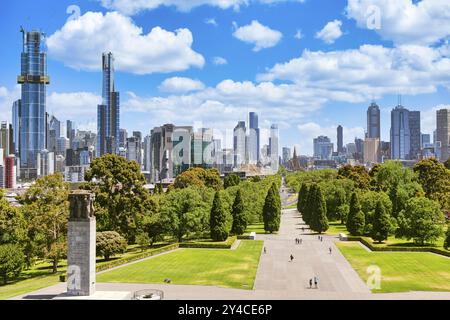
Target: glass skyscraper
[
  {"x": 108, "y": 113},
  {"x": 253, "y": 139},
  {"x": 373, "y": 121},
  {"x": 33, "y": 78},
  {"x": 16, "y": 125},
  {"x": 400, "y": 134}
]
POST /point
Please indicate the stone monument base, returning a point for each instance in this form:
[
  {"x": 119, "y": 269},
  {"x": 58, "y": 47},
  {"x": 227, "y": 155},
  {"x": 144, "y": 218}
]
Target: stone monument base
[{"x": 98, "y": 295}]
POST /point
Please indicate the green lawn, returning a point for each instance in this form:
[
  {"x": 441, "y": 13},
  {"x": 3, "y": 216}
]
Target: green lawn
[
  {"x": 336, "y": 227},
  {"x": 255, "y": 227},
  {"x": 217, "y": 267},
  {"x": 41, "y": 276},
  {"x": 400, "y": 271}
]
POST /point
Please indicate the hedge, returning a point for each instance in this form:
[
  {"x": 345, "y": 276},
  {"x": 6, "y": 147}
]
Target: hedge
[
  {"x": 210, "y": 245},
  {"x": 368, "y": 243},
  {"x": 143, "y": 255}
]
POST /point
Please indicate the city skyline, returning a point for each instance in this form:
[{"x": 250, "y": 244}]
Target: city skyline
[{"x": 216, "y": 82}]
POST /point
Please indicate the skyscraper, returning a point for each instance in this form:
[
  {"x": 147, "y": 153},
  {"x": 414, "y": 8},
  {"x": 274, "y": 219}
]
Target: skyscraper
[
  {"x": 33, "y": 78},
  {"x": 239, "y": 141},
  {"x": 16, "y": 125},
  {"x": 253, "y": 146},
  {"x": 400, "y": 134},
  {"x": 340, "y": 139},
  {"x": 108, "y": 113},
  {"x": 373, "y": 121},
  {"x": 415, "y": 134},
  {"x": 443, "y": 133},
  {"x": 273, "y": 147}
]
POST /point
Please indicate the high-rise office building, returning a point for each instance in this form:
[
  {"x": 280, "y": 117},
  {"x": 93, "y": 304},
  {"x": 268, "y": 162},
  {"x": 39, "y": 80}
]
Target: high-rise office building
[
  {"x": 400, "y": 134},
  {"x": 340, "y": 139},
  {"x": 443, "y": 133},
  {"x": 33, "y": 78},
  {"x": 46, "y": 163},
  {"x": 372, "y": 152},
  {"x": 425, "y": 139},
  {"x": 10, "y": 172},
  {"x": 286, "y": 155},
  {"x": 147, "y": 153},
  {"x": 123, "y": 136},
  {"x": 16, "y": 111},
  {"x": 274, "y": 147},
  {"x": 253, "y": 146},
  {"x": 134, "y": 149},
  {"x": 414, "y": 135},
  {"x": 373, "y": 121},
  {"x": 359, "y": 144},
  {"x": 323, "y": 148},
  {"x": 108, "y": 113},
  {"x": 5, "y": 138},
  {"x": 239, "y": 144}
]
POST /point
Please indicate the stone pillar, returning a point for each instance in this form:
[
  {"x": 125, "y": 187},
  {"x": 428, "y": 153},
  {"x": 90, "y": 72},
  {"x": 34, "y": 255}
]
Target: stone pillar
[{"x": 81, "y": 245}]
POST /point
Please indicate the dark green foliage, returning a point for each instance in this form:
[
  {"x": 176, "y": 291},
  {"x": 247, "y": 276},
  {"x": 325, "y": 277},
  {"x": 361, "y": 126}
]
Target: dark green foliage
[
  {"x": 110, "y": 243},
  {"x": 447, "y": 239},
  {"x": 302, "y": 198},
  {"x": 356, "y": 219},
  {"x": 231, "y": 181},
  {"x": 310, "y": 204},
  {"x": 12, "y": 261},
  {"x": 272, "y": 210},
  {"x": 357, "y": 174},
  {"x": 381, "y": 223},
  {"x": 217, "y": 220},
  {"x": 318, "y": 218},
  {"x": 239, "y": 218}
]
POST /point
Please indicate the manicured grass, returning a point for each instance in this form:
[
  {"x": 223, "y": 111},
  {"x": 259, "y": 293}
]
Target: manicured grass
[
  {"x": 255, "y": 227},
  {"x": 400, "y": 271},
  {"x": 335, "y": 228},
  {"x": 215, "y": 267},
  {"x": 41, "y": 276}
]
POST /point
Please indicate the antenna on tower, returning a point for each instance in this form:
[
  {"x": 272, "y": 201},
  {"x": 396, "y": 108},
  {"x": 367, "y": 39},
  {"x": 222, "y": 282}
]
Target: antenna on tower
[{"x": 399, "y": 99}]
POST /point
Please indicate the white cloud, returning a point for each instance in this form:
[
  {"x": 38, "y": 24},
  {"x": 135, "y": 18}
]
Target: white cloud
[
  {"x": 181, "y": 85},
  {"x": 219, "y": 61},
  {"x": 370, "y": 72},
  {"x": 132, "y": 7},
  {"x": 211, "y": 21},
  {"x": 298, "y": 35},
  {"x": 7, "y": 97},
  {"x": 405, "y": 21},
  {"x": 331, "y": 32},
  {"x": 310, "y": 130},
  {"x": 80, "y": 43},
  {"x": 78, "y": 106},
  {"x": 261, "y": 36}
]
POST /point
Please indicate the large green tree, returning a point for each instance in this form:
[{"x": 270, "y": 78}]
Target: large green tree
[
  {"x": 382, "y": 223},
  {"x": 46, "y": 212},
  {"x": 272, "y": 210},
  {"x": 447, "y": 239},
  {"x": 199, "y": 177},
  {"x": 12, "y": 261},
  {"x": 422, "y": 220},
  {"x": 356, "y": 219},
  {"x": 120, "y": 196},
  {"x": 239, "y": 218},
  {"x": 110, "y": 243},
  {"x": 302, "y": 198},
  {"x": 319, "y": 221},
  {"x": 217, "y": 220},
  {"x": 358, "y": 174},
  {"x": 435, "y": 180},
  {"x": 184, "y": 212}
]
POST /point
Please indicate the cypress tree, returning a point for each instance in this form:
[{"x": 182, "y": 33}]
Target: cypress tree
[
  {"x": 356, "y": 220},
  {"x": 217, "y": 220},
  {"x": 239, "y": 218},
  {"x": 302, "y": 198},
  {"x": 309, "y": 204},
  {"x": 447, "y": 239},
  {"x": 381, "y": 223},
  {"x": 319, "y": 220},
  {"x": 272, "y": 210}
]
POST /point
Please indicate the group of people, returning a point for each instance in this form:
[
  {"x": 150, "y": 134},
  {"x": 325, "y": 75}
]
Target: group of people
[
  {"x": 298, "y": 241},
  {"x": 321, "y": 238},
  {"x": 316, "y": 282}
]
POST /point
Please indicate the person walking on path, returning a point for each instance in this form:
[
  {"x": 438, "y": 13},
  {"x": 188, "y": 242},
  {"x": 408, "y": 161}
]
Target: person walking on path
[
  {"x": 310, "y": 283},
  {"x": 330, "y": 250},
  {"x": 292, "y": 257},
  {"x": 265, "y": 250},
  {"x": 315, "y": 282}
]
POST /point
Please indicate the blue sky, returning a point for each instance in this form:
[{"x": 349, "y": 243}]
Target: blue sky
[{"x": 166, "y": 72}]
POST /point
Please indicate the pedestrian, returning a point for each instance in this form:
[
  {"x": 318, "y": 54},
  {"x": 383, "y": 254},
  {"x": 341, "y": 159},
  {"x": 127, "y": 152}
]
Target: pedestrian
[
  {"x": 330, "y": 250},
  {"x": 264, "y": 250},
  {"x": 310, "y": 283},
  {"x": 303, "y": 229},
  {"x": 292, "y": 257},
  {"x": 315, "y": 282}
]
